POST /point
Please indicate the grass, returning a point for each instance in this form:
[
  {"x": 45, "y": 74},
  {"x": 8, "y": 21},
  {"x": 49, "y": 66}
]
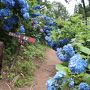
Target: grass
[{"x": 22, "y": 72}]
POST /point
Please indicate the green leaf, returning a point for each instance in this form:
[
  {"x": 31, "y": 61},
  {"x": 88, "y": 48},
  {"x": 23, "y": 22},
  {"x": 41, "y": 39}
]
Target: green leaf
[
  {"x": 86, "y": 78},
  {"x": 65, "y": 86},
  {"x": 60, "y": 67},
  {"x": 83, "y": 48},
  {"x": 89, "y": 66}
]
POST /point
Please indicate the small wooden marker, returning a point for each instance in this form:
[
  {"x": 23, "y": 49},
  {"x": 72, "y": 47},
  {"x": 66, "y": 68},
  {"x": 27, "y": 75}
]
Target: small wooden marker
[{"x": 1, "y": 55}]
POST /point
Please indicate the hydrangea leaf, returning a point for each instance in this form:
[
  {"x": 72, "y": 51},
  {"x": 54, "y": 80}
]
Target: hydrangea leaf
[
  {"x": 60, "y": 67},
  {"x": 89, "y": 66},
  {"x": 86, "y": 78},
  {"x": 83, "y": 49},
  {"x": 65, "y": 86}
]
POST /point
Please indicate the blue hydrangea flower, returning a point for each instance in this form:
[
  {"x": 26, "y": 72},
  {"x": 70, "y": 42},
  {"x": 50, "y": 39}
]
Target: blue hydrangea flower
[
  {"x": 84, "y": 86},
  {"x": 47, "y": 28},
  {"x": 48, "y": 38},
  {"x": 14, "y": 19},
  {"x": 47, "y": 18},
  {"x": 68, "y": 49},
  {"x": 49, "y": 34},
  {"x": 4, "y": 12},
  {"x": 23, "y": 10},
  {"x": 26, "y": 16},
  {"x": 77, "y": 64},
  {"x": 8, "y": 3},
  {"x": 63, "y": 57},
  {"x": 50, "y": 23},
  {"x": 71, "y": 84},
  {"x": 59, "y": 74},
  {"x": 63, "y": 42},
  {"x": 36, "y": 7},
  {"x": 25, "y": 6},
  {"x": 11, "y": 21},
  {"x": 35, "y": 15},
  {"x": 47, "y": 31},
  {"x": 50, "y": 84},
  {"x": 21, "y": 2},
  {"x": 43, "y": 16},
  {"x": 55, "y": 46},
  {"x": 22, "y": 29},
  {"x": 7, "y": 27},
  {"x": 49, "y": 41}
]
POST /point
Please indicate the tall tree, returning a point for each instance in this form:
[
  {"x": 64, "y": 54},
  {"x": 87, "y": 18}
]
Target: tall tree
[
  {"x": 59, "y": 10},
  {"x": 84, "y": 11},
  {"x": 84, "y": 8}
]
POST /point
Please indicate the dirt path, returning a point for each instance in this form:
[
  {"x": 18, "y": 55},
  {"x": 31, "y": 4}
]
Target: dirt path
[{"x": 44, "y": 71}]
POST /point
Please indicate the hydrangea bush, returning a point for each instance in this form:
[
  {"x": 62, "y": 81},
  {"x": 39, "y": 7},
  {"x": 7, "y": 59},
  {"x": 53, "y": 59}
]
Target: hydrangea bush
[
  {"x": 74, "y": 69},
  {"x": 74, "y": 63},
  {"x": 11, "y": 14}
]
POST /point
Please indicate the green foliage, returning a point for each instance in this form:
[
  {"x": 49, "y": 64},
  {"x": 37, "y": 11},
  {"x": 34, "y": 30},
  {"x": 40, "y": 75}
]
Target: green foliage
[
  {"x": 59, "y": 10},
  {"x": 25, "y": 69},
  {"x": 70, "y": 29},
  {"x": 83, "y": 48},
  {"x": 22, "y": 72},
  {"x": 33, "y": 52},
  {"x": 79, "y": 9},
  {"x": 86, "y": 78},
  {"x": 60, "y": 67},
  {"x": 11, "y": 76}
]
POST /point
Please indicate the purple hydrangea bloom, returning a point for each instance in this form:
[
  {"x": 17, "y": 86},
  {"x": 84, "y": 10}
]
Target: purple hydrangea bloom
[{"x": 41, "y": 30}]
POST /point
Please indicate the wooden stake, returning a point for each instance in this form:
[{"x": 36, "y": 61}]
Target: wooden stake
[{"x": 1, "y": 55}]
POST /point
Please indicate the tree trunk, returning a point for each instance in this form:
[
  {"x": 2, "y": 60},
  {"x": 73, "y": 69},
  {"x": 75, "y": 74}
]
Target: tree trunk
[
  {"x": 89, "y": 2},
  {"x": 84, "y": 11}
]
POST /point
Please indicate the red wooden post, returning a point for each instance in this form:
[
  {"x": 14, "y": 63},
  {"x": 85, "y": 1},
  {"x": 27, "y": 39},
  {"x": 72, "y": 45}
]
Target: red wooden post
[{"x": 1, "y": 55}]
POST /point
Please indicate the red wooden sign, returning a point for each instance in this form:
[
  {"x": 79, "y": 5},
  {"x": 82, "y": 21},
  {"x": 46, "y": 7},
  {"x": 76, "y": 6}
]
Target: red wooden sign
[{"x": 22, "y": 37}]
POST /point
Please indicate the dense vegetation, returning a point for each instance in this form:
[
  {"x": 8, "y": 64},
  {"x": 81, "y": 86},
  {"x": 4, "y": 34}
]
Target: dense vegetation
[{"x": 67, "y": 35}]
